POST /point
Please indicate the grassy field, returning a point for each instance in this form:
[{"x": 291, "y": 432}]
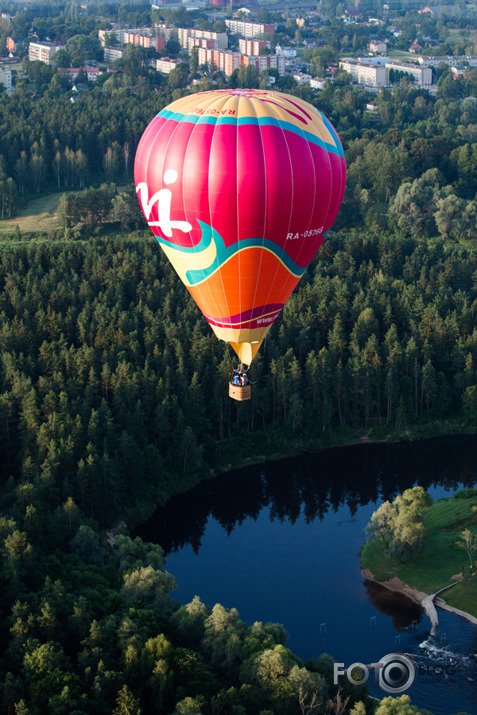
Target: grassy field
[
  {"x": 467, "y": 36},
  {"x": 440, "y": 561},
  {"x": 39, "y": 215}
]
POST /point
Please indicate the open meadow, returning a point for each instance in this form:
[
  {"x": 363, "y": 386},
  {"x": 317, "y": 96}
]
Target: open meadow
[{"x": 39, "y": 215}]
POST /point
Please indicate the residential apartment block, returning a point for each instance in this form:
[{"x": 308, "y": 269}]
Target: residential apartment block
[
  {"x": 104, "y": 36},
  {"x": 6, "y": 80},
  {"x": 371, "y": 75},
  {"x": 111, "y": 54},
  {"x": 144, "y": 40},
  {"x": 252, "y": 47},
  {"x": 448, "y": 60},
  {"x": 166, "y": 65},
  {"x": 139, "y": 37},
  {"x": 421, "y": 74},
  {"x": 164, "y": 31},
  {"x": 186, "y": 33},
  {"x": 225, "y": 60},
  {"x": 249, "y": 29},
  {"x": 43, "y": 51},
  {"x": 264, "y": 62},
  {"x": 196, "y": 42}
]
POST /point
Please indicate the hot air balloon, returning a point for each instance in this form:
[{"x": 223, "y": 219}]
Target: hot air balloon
[{"x": 239, "y": 187}]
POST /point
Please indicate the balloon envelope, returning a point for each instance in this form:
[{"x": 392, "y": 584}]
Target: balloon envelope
[{"x": 239, "y": 187}]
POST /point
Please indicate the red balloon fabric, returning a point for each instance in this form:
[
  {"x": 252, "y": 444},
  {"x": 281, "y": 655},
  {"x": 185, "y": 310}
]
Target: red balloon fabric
[{"x": 239, "y": 187}]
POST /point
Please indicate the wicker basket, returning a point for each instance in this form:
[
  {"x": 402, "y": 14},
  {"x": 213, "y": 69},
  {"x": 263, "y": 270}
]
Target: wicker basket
[{"x": 240, "y": 393}]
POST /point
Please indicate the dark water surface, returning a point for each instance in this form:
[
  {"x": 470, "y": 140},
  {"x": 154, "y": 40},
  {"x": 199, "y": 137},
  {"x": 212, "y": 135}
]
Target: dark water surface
[{"x": 280, "y": 543}]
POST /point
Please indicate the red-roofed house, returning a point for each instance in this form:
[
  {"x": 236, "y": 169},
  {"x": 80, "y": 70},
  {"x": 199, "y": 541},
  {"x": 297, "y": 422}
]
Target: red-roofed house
[{"x": 72, "y": 72}]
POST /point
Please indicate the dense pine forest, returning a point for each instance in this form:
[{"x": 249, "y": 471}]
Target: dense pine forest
[
  {"x": 114, "y": 393},
  {"x": 108, "y": 367}
]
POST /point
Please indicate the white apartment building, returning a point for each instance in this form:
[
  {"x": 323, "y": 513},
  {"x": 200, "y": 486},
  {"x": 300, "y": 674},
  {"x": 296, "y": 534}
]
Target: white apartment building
[
  {"x": 367, "y": 74},
  {"x": 448, "y": 60},
  {"x": 422, "y": 74},
  {"x": 184, "y": 33},
  {"x": 317, "y": 83},
  {"x": 302, "y": 78},
  {"x": 104, "y": 35},
  {"x": 166, "y": 65},
  {"x": 264, "y": 62},
  {"x": 248, "y": 29},
  {"x": 111, "y": 54},
  {"x": 43, "y": 51},
  {"x": 195, "y": 42},
  {"x": 278, "y": 63},
  {"x": 120, "y": 35},
  {"x": 165, "y": 31},
  {"x": 6, "y": 80},
  {"x": 252, "y": 47}
]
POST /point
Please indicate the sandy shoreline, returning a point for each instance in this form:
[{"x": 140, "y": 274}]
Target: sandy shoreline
[{"x": 426, "y": 600}]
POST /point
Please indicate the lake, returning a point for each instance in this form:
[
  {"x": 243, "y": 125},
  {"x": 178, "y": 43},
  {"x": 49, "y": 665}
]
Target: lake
[{"x": 280, "y": 543}]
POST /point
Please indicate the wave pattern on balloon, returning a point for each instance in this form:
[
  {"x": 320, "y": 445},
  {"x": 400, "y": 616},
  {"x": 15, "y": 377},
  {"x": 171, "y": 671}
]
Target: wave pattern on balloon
[{"x": 239, "y": 187}]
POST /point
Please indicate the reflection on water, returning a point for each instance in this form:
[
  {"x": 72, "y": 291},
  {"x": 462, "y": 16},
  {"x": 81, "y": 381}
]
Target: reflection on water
[
  {"x": 404, "y": 613},
  {"x": 312, "y": 485},
  {"x": 281, "y": 541}
]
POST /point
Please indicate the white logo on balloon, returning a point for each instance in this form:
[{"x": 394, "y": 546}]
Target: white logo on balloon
[{"x": 164, "y": 199}]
